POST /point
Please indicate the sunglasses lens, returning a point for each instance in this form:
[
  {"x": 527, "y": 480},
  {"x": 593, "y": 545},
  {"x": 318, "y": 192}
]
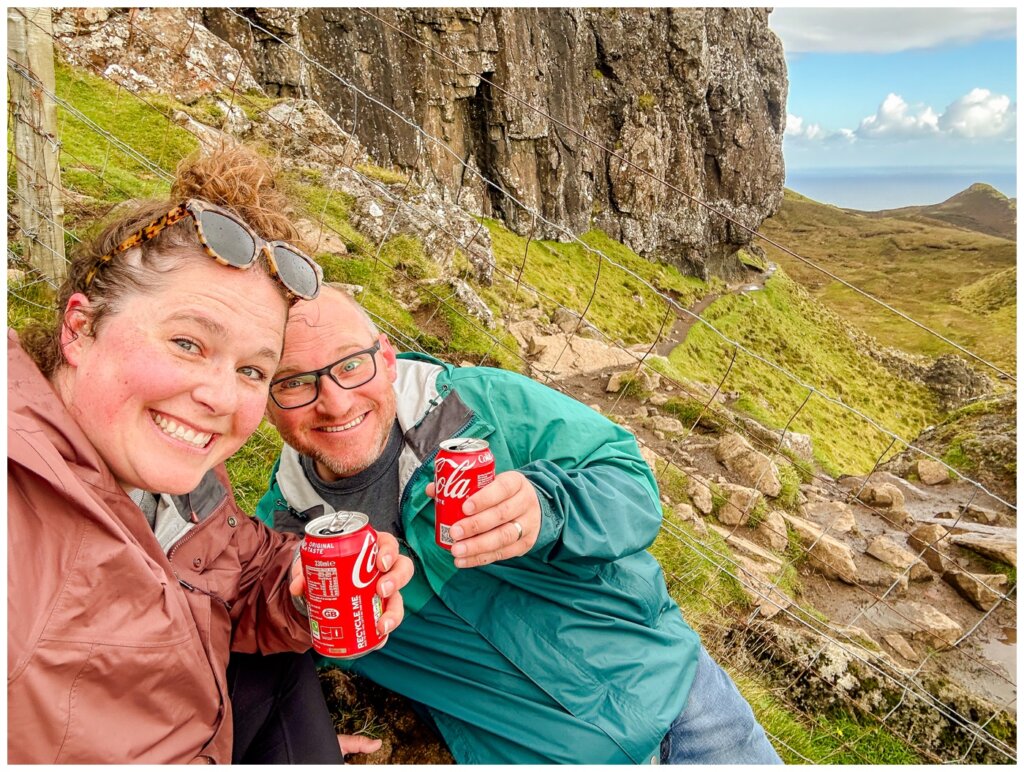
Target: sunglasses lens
[
  {"x": 296, "y": 272},
  {"x": 228, "y": 239}
]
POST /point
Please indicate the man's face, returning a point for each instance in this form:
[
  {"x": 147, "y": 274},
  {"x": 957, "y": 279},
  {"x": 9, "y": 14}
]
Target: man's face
[{"x": 345, "y": 430}]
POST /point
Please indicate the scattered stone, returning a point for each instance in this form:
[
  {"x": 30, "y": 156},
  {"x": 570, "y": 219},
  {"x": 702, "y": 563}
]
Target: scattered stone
[
  {"x": 700, "y": 494},
  {"x": 858, "y": 635},
  {"x": 319, "y": 238},
  {"x": 658, "y": 399},
  {"x": 751, "y": 467},
  {"x": 983, "y": 590},
  {"x": 1003, "y": 550},
  {"x": 833, "y": 516},
  {"x": 654, "y": 461},
  {"x": 899, "y": 644},
  {"x": 883, "y": 496},
  {"x": 763, "y": 594},
  {"x": 570, "y": 322},
  {"x": 932, "y": 472},
  {"x": 666, "y": 424},
  {"x": 928, "y": 541},
  {"x": 830, "y": 556},
  {"x": 685, "y": 512},
  {"x": 749, "y": 548},
  {"x": 740, "y": 502},
  {"x": 918, "y": 621},
  {"x": 773, "y": 530},
  {"x": 888, "y": 551}
]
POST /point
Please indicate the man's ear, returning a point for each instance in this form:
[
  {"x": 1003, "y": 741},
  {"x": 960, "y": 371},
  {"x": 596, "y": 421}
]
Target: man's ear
[
  {"x": 76, "y": 330},
  {"x": 387, "y": 353}
]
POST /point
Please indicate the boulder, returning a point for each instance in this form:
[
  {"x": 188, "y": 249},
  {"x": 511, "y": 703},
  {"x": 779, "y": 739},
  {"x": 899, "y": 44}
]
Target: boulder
[
  {"x": 700, "y": 494},
  {"x": 320, "y": 238},
  {"x": 755, "y": 579},
  {"x": 685, "y": 513},
  {"x": 830, "y": 557},
  {"x": 739, "y": 504},
  {"x": 918, "y": 621},
  {"x": 752, "y": 468},
  {"x": 772, "y": 531},
  {"x": 883, "y": 496},
  {"x": 834, "y": 516},
  {"x": 884, "y": 548},
  {"x": 932, "y": 472},
  {"x": 983, "y": 590},
  {"x": 994, "y": 547},
  {"x": 899, "y": 644},
  {"x": 648, "y": 379},
  {"x": 929, "y": 541},
  {"x": 666, "y": 424}
]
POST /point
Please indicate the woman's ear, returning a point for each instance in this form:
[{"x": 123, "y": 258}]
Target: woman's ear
[{"x": 76, "y": 331}]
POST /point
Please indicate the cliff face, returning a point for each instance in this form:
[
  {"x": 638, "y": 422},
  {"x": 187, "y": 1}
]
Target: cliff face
[{"x": 693, "y": 96}]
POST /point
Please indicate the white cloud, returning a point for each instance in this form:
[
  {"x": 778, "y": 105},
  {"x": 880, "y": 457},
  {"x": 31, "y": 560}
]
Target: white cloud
[
  {"x": 980, "y": 115},
  {"x": 896, "y": 119},
  {"x": 887, "y": 30}
]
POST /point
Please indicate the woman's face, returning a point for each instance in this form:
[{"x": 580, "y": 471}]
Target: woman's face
[{"x": 175, "y": 381}]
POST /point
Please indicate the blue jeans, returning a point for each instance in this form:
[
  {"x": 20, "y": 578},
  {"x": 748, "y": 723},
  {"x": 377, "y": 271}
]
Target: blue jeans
[{"x": 717, "y": 725}]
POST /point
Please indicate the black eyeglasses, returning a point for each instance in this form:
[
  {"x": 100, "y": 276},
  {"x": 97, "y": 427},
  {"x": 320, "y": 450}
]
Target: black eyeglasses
[
  {"x": 230, "y": 241},
  {"x": 303, "y": 389}
]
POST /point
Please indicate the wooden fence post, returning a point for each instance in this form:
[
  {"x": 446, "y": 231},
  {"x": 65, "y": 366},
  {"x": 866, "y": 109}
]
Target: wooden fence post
[{"x": 39, "y": 202}]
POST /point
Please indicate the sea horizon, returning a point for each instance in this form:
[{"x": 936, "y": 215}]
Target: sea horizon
[{"x": 874, "y": 188}]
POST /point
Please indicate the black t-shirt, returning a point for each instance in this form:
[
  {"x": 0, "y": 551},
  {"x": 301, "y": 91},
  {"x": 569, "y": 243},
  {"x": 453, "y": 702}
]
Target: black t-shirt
[{"x": 374, "y": 491}]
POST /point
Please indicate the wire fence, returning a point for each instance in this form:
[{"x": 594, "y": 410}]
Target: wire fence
[{"x": 757, "y": 569}]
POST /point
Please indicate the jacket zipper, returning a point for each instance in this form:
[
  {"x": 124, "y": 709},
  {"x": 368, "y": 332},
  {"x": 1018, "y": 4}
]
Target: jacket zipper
[{"x": 174, "y": 548}]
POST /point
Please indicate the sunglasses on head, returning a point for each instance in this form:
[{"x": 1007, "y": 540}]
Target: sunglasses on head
[{"x": 231, "y": 242}]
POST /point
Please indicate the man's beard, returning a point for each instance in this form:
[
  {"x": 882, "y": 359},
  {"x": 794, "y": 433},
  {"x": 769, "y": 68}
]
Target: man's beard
[{"x": 352, "y": 464}]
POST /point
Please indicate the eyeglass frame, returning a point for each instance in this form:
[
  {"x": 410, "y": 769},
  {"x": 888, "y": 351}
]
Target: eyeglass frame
[
  {"x": 193, "y": 208},
  {"x": 326, "y": 370}
]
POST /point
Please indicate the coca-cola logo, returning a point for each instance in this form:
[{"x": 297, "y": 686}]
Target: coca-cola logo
[
  {"x": 364, "y": 571},
  {"x": 455, "y": 484}
]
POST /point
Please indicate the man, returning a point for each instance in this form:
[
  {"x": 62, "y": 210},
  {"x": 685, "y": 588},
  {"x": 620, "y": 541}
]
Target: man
[{"x": 547, "y": 634}]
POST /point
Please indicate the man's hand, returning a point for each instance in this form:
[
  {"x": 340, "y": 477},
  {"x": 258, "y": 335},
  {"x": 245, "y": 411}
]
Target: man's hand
[
  {"x": 395, "y": 572},
  {"x": 357, "y": 743},
  {"x": 489, "y": 531}
]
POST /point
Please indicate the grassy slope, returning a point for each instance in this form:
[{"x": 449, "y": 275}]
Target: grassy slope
[
  {"x": 565, "y": 272},
  {"x": 916, "y": 267},
  {"x": 783, "y": 324}
]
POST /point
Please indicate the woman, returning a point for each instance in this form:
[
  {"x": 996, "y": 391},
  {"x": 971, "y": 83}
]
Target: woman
[{"x": 131, "y": 572}]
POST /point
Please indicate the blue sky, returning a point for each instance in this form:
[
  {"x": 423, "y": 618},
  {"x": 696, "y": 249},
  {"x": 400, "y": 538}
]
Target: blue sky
[{"x": 900, "y": 87}]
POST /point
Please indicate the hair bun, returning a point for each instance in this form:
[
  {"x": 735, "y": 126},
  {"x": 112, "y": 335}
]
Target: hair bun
[{"x": 236, "y": 178}]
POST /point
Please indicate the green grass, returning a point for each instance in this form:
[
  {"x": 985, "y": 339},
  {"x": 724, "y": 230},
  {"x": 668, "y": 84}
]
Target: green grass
[
  {"x": 703, "y": 590},
  {"x": 621, "y": 306},
  {"x": 249, "y": 469},
  {"x": 922, "y": 268},
  {"x": 98, "y": 168},
  {"x": 784, "y": 325},
  {"x": 834, "y": 738}
]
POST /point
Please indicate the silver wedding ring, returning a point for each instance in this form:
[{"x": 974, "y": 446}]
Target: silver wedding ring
[{"x": 518, "y": 528}]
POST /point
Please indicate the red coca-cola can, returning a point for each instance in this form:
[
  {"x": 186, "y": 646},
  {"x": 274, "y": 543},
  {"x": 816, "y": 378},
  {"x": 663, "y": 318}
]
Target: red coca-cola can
[
  {"x": 339, "y": 562},
  {"x": 463, "y": 466}
]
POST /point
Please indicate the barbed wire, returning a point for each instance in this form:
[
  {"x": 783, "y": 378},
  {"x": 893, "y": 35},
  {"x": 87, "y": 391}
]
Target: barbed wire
[
  {"x": 412, "y": 344},
  {"x": 601, "y": 255},
  {"x": 623, "y": 159}
]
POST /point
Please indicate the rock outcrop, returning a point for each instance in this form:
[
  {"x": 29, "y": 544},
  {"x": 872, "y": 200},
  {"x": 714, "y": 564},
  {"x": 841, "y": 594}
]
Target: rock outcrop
[{"x": 573, "y": 112}]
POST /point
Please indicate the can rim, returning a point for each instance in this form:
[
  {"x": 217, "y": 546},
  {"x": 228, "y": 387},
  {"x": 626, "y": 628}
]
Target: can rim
[
  {"x": 464, "y": 445},
  {"x": 353, "y": 523}
]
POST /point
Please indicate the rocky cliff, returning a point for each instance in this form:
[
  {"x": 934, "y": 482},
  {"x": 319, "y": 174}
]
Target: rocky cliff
[{"x": 564, "y": 109}]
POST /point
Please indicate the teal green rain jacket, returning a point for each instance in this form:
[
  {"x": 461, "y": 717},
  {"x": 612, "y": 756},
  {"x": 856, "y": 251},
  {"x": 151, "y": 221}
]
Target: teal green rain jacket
[{"x": 585, "y": 615}]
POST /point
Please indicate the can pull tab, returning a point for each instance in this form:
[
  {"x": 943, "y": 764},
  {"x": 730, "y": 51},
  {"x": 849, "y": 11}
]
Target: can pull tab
[{"x": 337, "y": 525}]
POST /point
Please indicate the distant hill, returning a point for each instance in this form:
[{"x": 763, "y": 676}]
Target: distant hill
[
  {"x": 958, "y": 281},
  {"x": 980, "y": 208}
]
